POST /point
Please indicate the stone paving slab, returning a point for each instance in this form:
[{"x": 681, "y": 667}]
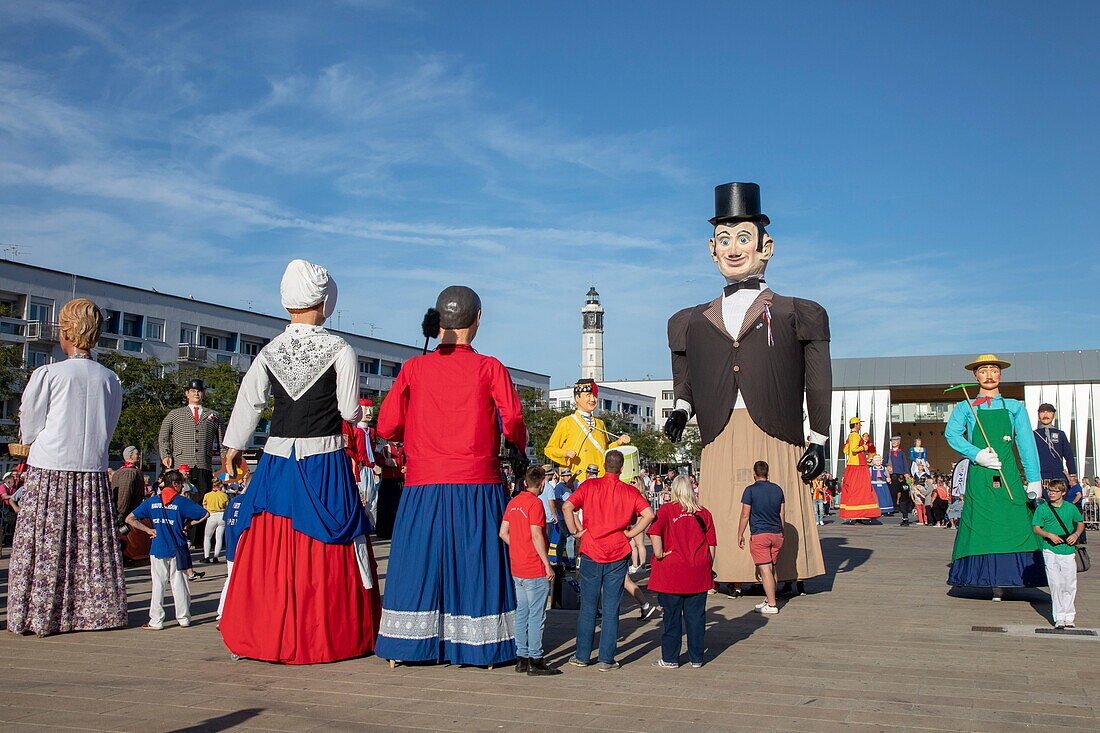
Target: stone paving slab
[{"x": 877, "y": 645}]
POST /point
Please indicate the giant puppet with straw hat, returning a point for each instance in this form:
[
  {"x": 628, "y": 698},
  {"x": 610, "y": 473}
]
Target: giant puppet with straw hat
[
  {"x": 744, "y": 363},
  {"x": 581, "y": 439},
  {"x": 995, "y": 546}
]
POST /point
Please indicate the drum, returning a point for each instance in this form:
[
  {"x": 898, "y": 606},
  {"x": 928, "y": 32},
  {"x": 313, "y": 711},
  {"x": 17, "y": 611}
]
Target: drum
[{"x": 631, "y": 463}]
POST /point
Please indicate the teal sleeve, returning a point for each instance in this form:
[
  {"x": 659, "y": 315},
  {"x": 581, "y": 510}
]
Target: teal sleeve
[
  {"x": 958, "y": 425},
  {"x": 1025, "y": 441}
]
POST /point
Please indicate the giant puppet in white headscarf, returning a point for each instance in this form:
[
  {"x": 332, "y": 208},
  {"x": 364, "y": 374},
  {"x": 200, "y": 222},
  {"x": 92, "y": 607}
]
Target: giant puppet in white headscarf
[{"x": 303, "y": 587}]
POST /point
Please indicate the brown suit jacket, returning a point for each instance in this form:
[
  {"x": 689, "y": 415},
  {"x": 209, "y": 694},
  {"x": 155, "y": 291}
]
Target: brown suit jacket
[{"x": 710, "y": 366}]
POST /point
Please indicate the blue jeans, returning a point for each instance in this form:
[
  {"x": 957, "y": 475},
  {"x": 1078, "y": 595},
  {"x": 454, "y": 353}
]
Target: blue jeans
[
  {"x": 683, "y": 613},
  {"x": 530, "y": 615},
  {"x": 596, "y": 578},
  {"x": 819, "y": 509}
]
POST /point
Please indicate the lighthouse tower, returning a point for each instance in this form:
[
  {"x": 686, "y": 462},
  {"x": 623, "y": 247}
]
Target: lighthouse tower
[{"x": 592, "y": 337}]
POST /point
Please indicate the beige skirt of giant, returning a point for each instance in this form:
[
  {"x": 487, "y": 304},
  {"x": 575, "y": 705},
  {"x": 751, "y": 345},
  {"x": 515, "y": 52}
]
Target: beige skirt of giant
[{"x": 726, "y": 468}]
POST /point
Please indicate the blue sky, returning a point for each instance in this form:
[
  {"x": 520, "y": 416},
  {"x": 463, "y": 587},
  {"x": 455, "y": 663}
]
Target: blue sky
[{"x": 930, "y": 169}]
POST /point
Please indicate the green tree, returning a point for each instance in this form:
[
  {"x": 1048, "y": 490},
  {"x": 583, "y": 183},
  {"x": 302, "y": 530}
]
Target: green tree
[
  {"x": 151, "y": 388},
  {"x": 221, "y": 380},
  {"x": 653, "y": 446},
  {"x": 13, "y": 375},
  {"x": 691, "y": 446},
  {"x": 148, "y": 393}
]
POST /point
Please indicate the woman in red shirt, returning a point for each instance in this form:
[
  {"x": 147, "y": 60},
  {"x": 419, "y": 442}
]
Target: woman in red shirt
[{"x": 683, "y": 551}]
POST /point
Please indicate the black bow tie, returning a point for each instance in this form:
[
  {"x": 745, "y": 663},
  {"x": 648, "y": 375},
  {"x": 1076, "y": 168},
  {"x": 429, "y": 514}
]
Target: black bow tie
[{"x": 753, "y": 283}]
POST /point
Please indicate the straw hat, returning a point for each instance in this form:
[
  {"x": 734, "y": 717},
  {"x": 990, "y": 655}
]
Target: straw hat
[{"x": 987, "y": 359}]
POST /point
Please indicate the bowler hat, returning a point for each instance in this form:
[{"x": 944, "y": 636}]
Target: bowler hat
[
  {"x": 196, "y": 384},
  {"x": 984, "y": 359},
  {"x": 738, "y": 202}
]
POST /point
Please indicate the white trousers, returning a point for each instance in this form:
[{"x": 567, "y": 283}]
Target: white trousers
[
  {"x": 1062, "y": 580},
  {"x": 164, "y": 570},
  {"x": 215, "y": 528},
  {"x": 228, "y": 575}
]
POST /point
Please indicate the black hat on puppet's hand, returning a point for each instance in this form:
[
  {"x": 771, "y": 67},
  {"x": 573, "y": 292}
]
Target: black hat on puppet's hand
[{"x": 738, "y": 202}]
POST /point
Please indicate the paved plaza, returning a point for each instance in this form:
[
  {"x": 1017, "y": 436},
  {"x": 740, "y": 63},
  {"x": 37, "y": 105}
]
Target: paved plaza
[{"x": 877, "y": 645}]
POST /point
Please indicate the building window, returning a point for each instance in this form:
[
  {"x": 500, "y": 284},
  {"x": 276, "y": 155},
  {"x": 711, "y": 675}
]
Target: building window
[
  {"x": 390, "y": 369},
  {"x": 36, "y": 359},
  {"x": 666, "y": 412},
  {"x": 133, "y": 346},
  {"x": 368, "y": 366},
  {"x": 41, "y": 310},
  {"x": 213, "y": 341},
  {"x": 107, "y": 343},
  {"x": 607, "y": 405},
  {"x": 131, "y": 325},
  {"x": 154, "y": 329},
  {"x": 111, "y": 321},
  {"x": 251, "y": 348},
  {"x": 188, "y": 333},
  {"x": 668, "y": 394}
]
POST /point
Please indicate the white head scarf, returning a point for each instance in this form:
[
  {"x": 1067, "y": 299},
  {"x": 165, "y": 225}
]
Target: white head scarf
[{"x": 305, "y": 285}]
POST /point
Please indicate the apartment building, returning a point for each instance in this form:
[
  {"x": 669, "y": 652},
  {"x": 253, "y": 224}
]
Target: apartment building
[{"x": 146, "y": 322}]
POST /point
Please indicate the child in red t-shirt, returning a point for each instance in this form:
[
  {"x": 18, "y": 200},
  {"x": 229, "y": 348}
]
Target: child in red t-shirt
[
  {"x": 524, "y": 531},
  {"x": 683, "y": 550}
]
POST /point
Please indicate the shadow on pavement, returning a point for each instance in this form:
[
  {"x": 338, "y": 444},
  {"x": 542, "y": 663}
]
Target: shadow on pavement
[{"x": 221, "y": 722}]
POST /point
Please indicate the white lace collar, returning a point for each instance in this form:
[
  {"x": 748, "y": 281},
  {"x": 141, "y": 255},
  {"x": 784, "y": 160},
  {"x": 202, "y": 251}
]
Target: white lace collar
[{"x": 300, "y": 355}]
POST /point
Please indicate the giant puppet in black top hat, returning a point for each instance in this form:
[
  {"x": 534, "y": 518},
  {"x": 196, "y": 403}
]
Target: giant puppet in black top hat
[{"x": 743, "y": 363}]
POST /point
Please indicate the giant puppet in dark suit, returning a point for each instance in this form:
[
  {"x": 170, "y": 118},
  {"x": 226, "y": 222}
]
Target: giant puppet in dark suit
[{"x": 743, "y": 363}]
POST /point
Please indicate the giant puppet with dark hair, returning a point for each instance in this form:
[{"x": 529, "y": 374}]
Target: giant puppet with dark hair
[
  {"x": 743, "y": 363},
  {"x": 449, "y": 595}
]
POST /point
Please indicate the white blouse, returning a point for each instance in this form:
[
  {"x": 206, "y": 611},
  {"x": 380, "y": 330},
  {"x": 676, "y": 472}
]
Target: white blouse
[{"x": 68, "y": 415}]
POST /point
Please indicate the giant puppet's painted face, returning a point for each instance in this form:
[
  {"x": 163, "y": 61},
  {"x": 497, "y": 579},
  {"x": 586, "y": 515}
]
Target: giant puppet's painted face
[
  {"x": 989, "y": 378},
  {"x": 740, "y": 249},
  {"x": 586, "y": 401}
]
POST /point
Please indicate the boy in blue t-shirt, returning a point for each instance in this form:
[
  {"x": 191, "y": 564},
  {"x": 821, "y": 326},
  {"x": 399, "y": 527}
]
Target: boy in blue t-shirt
[
  {"x": 762, "y": 512},
  {"x": 170, "y": 513},
  {"x": 232, "y": 535}
]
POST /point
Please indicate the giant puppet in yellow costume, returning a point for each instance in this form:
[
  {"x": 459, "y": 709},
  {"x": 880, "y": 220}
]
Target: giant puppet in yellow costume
[{"x": 580, "y": 440}]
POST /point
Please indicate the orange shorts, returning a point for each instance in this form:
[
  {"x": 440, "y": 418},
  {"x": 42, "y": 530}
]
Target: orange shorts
[{"x": 764, "y": 547}]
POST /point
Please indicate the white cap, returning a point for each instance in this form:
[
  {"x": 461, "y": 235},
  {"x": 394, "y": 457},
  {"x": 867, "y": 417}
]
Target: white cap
[{"x": 305, "y": 284}]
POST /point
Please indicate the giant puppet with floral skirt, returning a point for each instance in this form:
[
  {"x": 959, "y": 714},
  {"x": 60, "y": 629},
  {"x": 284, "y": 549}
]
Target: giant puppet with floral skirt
[
  {"x": 995, "y": 546},
  {"x": 745, "y": 363}
]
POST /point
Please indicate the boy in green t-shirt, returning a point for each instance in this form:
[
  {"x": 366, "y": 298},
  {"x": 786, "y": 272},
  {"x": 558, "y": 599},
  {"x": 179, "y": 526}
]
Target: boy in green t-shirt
[{"x": 1060, "y": 523}]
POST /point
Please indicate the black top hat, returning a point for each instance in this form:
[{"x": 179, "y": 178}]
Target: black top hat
[
  {"x": 738, "y": 202},
  {"x": 196, "y": 384}
]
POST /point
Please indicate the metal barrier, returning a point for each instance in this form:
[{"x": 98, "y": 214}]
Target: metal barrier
[{"x": 1091, "y": 513}]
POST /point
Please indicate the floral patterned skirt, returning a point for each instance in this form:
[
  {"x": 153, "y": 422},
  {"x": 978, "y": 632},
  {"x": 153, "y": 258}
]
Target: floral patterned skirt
[{"x": 66, "y": 561}]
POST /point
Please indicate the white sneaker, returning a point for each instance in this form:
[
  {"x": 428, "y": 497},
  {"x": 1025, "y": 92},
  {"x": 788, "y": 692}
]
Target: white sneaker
[
  {"x": 760, "y": 605},
  {"x": 632, "y": 569},
  {"x": 767, "y": 610}
]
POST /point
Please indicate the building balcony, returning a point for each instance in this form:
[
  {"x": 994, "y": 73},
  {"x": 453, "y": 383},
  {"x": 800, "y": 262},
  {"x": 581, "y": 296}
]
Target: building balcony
[
  {"x": 191, "y": 354},
  {"x": 13, "y": 329},
  {"x": 43, "y": 332},
  {"x": 375, "y": 382}
]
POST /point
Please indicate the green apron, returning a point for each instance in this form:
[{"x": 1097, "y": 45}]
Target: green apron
[{"x": 992, "y": 523}]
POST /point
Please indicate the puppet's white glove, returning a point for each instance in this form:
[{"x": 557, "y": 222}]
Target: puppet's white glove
[
  {"x": 1034, "y": 490},
  {"x": 987, "y": 458}
]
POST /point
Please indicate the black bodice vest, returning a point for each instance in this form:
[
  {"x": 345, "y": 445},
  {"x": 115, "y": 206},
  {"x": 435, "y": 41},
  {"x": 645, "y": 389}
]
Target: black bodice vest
[{"x": 315, "y": 414}]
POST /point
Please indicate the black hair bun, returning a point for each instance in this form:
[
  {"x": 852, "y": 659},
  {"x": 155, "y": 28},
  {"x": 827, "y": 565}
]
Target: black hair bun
[{"x": 430, "y": 325}]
